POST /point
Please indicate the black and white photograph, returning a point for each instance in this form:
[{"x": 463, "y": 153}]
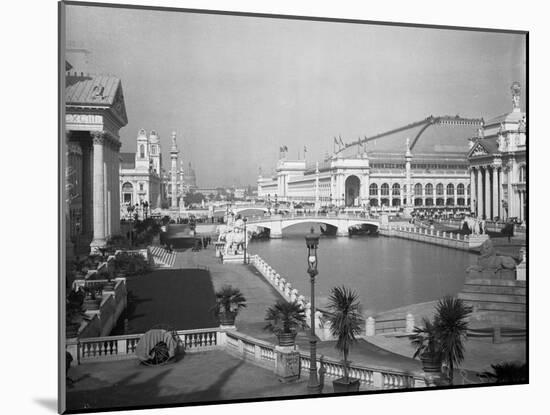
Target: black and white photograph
[{"x": 263, "y": 207}]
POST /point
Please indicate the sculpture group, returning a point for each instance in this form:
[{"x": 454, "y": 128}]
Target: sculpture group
[{"x": 234, "y": 235}]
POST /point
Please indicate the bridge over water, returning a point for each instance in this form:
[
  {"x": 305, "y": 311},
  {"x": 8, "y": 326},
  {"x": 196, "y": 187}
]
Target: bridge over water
[{"x": 277, "y": 223}]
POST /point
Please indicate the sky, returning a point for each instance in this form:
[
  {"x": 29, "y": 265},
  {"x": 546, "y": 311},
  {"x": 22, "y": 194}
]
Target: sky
[{"x": 236, "y": 88}]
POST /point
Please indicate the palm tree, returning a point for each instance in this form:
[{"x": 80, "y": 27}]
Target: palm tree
[
  {"x": 284, "y": 319},
  {"x": 229, "y": 301},
  {"x": 508, "y": 372},
  {"x": 451, "y": 326},
  {"x": 345, "y": 320},
  {"x": 425, "y": 339}
]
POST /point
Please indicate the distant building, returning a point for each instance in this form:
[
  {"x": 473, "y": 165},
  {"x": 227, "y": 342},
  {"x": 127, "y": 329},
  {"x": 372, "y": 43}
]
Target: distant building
[
  {"x": 94, "y": 114},
  {"x": 498, "y": 164},
  {"x": 425, "y": 175},
  {"x": 140, "y": 172}
]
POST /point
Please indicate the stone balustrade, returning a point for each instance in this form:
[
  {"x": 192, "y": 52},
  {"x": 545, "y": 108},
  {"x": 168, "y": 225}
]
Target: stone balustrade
[
  {"x": 113, "y": 303},
  {"x": 258, "y": 352},
  {"x": 281, "y": 284},
  {"x": 372, "y": 376},
  {"x": 96, "y": 349},
  {"x": 452, "y": 240},
  {"x": 384, "y": 326}
]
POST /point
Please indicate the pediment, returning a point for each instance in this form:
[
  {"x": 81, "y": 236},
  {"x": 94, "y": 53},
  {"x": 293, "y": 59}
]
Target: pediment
[{"x": 478, "y": 150}]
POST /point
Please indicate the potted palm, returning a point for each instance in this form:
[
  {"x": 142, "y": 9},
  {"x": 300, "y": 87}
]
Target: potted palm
[
  {"x": 451, "y": 322},
  {"x": 427, "y": 348},
  {"x": 229, "y": 301},
  {"x": 442, "y": 340},
  {"x": 284, "y": 320},
  {"x": 345, "y": 320},
  {"x": 507, "y": 372}
]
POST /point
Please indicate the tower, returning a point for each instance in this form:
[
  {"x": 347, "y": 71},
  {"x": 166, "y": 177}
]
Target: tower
[
  {"x": 142, "y": 153},
  {"x": 155, "y": 152},
  {"x": 173, "y": 173}
]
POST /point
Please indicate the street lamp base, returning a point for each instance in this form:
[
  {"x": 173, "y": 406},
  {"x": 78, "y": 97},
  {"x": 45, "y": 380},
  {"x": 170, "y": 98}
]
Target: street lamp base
[{"x": 314, "y": 389}]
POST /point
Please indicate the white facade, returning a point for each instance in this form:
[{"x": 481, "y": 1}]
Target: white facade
[
  {"x": 94, "y": 114},
  {"x": 382, "y": 179},
  {"x": 498, "y": 165},
  {"x": 140, "y": 179}
]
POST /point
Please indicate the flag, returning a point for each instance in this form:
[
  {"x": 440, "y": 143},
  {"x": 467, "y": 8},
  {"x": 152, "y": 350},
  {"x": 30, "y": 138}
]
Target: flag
[
  {"x": 335, "y": 140},
  {"x": 341, "y": 142},
  {"x": 281, "y": 149},
  {"x": 286, "y": 148},
  {"x": 305, "y": 149}
]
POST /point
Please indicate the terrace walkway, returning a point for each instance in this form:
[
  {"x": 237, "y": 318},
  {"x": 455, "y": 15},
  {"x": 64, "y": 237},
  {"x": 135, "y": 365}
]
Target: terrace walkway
[{"x": 197, "y": 377}]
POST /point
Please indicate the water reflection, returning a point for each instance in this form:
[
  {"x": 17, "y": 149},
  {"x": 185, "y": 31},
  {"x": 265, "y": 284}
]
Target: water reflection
[{"x": 386, "y": 272}]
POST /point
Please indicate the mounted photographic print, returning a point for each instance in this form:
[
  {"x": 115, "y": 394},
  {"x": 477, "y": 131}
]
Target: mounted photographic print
[{"x": 261, "y": 207}]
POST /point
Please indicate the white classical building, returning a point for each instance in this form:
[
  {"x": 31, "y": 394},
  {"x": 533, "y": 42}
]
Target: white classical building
[
  {"x": 425, "y": 174},
  {"x": 140, "y": 172},
  {"x": 94, "y": 114},
  {"x": 498, "y": 164}
]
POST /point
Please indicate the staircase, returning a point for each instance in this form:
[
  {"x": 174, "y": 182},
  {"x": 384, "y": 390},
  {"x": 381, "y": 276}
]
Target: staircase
[
  {"x": 162, "y": 258},
  {"x": 500, "y": 303}
]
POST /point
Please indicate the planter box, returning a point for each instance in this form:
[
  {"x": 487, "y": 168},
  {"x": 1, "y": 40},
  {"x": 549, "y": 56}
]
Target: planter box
[{"x": 341, "y": 386}]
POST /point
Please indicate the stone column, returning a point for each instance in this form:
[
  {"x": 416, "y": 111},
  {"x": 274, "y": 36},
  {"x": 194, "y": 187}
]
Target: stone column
[
  {"x": 511, "y": 209},
  {"x": 472, "y": 188},
  {"x": 502, "y": 212},
  {"x": 455, "y": 194},
  {"x": 495, "y": 191},
  {"x": 487, "y": 193},
  {"x": 98, "y": 191},
  {"x": 479, "y": 195}
]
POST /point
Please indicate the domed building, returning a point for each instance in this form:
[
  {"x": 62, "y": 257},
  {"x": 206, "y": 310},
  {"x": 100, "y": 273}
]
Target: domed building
[{"x": 421, "y": 166}]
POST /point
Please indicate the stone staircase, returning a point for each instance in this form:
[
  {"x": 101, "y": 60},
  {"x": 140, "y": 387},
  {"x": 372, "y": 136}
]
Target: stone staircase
[
  {"x": 162, "y": 258},
  {"x": 496, "y": 302}
]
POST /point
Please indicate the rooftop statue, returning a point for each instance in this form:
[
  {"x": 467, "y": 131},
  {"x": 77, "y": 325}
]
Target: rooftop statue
[{"x": 492, "y": 266}]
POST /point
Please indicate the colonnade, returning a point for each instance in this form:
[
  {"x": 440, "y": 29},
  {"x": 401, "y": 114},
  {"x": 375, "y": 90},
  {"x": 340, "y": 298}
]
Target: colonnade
[{"x": 495, "y": 191}]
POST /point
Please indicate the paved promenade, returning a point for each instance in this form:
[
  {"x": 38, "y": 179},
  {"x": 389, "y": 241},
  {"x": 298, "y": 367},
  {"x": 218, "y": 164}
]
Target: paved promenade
[{"x": 197, "y": 377}]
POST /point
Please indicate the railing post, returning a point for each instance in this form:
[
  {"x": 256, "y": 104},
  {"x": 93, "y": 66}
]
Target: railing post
[
  {"x": 409, "y": 323},
  {"x": 370, "y": 327},
  {"x": 221, "y": 338},
  {"x": 121, "y": 346},
  {"x": 377, "y": 380}
]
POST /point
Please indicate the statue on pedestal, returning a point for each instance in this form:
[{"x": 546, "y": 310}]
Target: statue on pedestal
[{"x": 492, "y": 266}]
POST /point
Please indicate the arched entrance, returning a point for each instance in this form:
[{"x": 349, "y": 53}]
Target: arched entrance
[
  {"x": 353, "y": 185},
  {"x": 128, "y": 193}
]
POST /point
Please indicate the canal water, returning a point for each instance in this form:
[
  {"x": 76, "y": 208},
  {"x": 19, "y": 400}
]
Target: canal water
[{"x": 386, "y": 272}]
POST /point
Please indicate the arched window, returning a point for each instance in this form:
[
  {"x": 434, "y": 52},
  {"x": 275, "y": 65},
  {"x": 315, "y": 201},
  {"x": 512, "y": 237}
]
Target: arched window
[
  {"x": 142, "y": 151},
  {"x": 395, "y": 190},
  {"x": 373, "y": 189},
  {"x": 153, "y": 149},
  {"x": 439, "y": 189},
  {"x": 385, "y": 189},
  {"x": 450, "y": 189},
  {"x": 460, "y": 189},
  {"x": 418, "y": 189},
  {"x": 429, "y": 189}
]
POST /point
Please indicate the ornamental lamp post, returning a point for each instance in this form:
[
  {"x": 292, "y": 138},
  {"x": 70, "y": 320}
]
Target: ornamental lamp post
[{"x": 312, "y": 243}]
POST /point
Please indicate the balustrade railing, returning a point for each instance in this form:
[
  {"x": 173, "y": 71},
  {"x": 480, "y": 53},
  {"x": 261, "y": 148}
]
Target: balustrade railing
[
  {"x": 123, "y": 347},
  {"x": 257, "y": 351}
]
